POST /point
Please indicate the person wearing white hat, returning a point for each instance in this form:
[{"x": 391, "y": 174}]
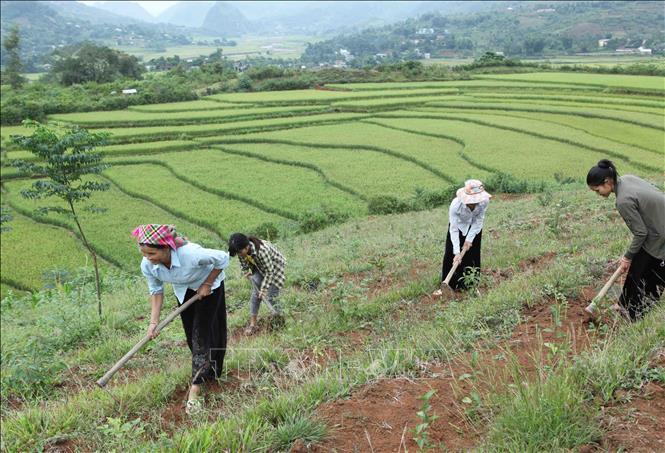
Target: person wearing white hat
[{"x": 465, "y": 229}]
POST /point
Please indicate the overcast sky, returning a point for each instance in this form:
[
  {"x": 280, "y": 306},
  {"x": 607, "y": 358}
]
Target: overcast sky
[{"x": 153, "y": 8}]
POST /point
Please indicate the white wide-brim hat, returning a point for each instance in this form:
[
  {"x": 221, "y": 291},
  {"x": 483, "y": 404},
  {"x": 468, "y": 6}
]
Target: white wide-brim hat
[{"x": 473, "y": 192}]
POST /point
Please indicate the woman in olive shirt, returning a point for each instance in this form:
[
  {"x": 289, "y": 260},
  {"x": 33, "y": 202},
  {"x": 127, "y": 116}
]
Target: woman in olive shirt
[{"x": 642, "y": 207}]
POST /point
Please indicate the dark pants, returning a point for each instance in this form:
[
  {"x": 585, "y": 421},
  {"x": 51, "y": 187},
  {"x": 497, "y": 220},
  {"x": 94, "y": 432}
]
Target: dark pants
[
  {"x": 471, "y": 259},
  {"x": 205, "y": 327},
  {"x": 644, "y": 284}
]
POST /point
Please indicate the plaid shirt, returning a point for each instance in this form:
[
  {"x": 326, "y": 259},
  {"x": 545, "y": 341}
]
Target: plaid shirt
[{"x": 268, "y": 261}]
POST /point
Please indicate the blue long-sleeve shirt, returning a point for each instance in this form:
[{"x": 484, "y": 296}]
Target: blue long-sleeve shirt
[{"x": 190, "y": 266}]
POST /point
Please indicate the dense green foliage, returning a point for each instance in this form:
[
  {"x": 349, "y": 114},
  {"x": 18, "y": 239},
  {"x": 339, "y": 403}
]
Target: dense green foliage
[
  {"x": 516, "y": 29},
  {"x": 89, "y": 62}
]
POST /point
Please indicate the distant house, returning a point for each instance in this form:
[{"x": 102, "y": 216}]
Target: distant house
[
  {"x": 380, "y": 55},
  {"x": 603, "y": 42},
  {"x": 427, "y": 55},
  {"x": 129, "y": 91},
  {"x": 546, "y": 10},
  {"x": 644, "y": 51},
  {"x": 239, "y": 66},
  {"x": 425, "y": 31},
  {"x": 499, "y": 54}
]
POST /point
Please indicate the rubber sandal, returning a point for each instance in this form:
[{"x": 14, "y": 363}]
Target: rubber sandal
[
  {"x": 194, "y": 407},
  {"x": 437, "y": 293}
]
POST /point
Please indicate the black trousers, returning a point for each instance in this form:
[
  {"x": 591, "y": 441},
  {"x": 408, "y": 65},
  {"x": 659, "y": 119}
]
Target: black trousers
[
  {"x": 471, "y": 259},
  {"x": 205, "y": 327},
  {"x": 644, "y": 284}
]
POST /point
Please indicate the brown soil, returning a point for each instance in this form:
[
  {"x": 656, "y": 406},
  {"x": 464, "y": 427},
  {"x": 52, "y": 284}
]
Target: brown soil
[
  {"x": 381, "y": 416},
  {"x": 637, "y": 425},
  {"x": 64, "y": 446}
]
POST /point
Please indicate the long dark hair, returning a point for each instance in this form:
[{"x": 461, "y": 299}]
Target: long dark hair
[
  {"x": 600, "y": 172},
  {"x": 239, "y": 241}
]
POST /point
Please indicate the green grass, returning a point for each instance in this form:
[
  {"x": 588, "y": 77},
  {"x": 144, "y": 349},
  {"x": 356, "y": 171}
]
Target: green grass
[
  {"x": 615, "y": 130},
  {"x": 124, "y": 118},
  {"x": 109, "y": 232},
  {"x": 438, "y": 154},
  {"x": 223, "y": 216},
  {"x": 26, "y": 239},
  {"x": 363, "y": 171},
  {"x": 504, "y": 150},
  {"x": 287, "y": 189},
  {"x": 625, "y": 81},
  {"x": 187, "y": 106},
  {"x": 294, "y": 97},
  {"x": 574, "y": 136},
  {"x": 653, "y": 121},
  {"x": 156, "y": 133},
  {"x": 275, "y": 407},
  {"x": 460, "y": 84}
]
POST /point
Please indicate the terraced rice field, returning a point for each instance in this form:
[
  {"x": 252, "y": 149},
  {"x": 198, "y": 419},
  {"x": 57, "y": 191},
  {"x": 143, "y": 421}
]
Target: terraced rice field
[{"x": 241, "y": 161}]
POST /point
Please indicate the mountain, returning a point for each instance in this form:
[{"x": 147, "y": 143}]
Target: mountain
[
  {"x": 187, "y": 14},
  {"x": 127, "y": 9},
  {"x": 519, "y": 29},
  {"x": 46, "y": 26},
  {"x": 80, "y": 12},
  {"x": 325, "y": 17},
  {"x": 225, "y": 19}
]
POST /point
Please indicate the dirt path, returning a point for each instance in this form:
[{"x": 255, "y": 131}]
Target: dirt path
[{"x": 381, "y": 416}]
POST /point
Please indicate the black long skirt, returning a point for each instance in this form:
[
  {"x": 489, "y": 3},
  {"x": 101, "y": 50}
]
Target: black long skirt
[
  {"x": 205, "y": 327},
  {"x": 644, "y": 284},
  {"x": 471, "y": 259}
]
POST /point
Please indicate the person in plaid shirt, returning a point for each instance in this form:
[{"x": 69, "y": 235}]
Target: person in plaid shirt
[{"x": 263, "y": 265}]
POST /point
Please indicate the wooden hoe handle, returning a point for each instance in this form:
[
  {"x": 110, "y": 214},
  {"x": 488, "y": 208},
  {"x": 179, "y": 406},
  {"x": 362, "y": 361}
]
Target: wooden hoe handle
[
  {"x": 137, "y": 347},
  {"x": 454, "y": 268}
]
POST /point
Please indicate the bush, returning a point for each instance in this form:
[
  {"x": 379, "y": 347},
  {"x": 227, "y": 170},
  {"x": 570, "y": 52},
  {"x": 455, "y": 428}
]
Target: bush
[
  {"x": 320, "y": 217},
  {"x": 506, "y": 183},
  {"x": 387, "y": 204},
  {"x": 266, "y": 230},
  {"x": 429, "y": 199}
]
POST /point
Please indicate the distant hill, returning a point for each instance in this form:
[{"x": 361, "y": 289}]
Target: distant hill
[
  {"x": 226, "y": 20},
  {"x": 46, "y": 26},
  {"x": 325, "y": 17},
  {"x": 80, "y": 12},
  {"x": 514, "y": 28},
  {"x": 127, "y": 9},
  {"x": 187, "y": 14}
]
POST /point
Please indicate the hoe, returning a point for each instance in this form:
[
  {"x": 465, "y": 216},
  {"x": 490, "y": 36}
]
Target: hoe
[
  {"x": 592, "y": 309},
  {"x": 445, "y": 289},
  {"x": 109, "y": 374}
]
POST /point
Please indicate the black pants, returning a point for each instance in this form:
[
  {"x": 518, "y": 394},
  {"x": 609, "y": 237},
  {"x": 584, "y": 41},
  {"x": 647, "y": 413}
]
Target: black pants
[
  {"x": 644, "y": 284},
  {"x": 205, "y": 327},
  {"x": 471, "y": 259}
]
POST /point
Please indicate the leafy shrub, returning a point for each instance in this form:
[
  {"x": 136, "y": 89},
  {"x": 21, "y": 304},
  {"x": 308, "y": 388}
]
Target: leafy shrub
[
  {"x": 429, "y": 199},
  {"x": 387, "y": 204},
  {"x": 319, "y": 217},
  {"x": 506, "y": 183},
  {"x": 266, "y": 230}
]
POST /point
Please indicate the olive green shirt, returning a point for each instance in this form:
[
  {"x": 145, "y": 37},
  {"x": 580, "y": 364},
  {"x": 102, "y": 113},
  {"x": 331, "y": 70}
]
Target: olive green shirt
[{"x": 642, "y": 207}]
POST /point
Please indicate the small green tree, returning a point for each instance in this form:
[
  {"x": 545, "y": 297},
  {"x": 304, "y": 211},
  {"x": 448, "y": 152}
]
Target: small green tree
[
  {"x": 13, "y": 68},
  {"x": 63, "y": 160}
]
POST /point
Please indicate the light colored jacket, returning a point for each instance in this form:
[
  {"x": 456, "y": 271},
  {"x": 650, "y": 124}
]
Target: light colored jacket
[{"x": 463, "y": 219}]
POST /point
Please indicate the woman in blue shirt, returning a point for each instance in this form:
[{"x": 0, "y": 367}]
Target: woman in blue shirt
[{"x": 191, "y": 269}]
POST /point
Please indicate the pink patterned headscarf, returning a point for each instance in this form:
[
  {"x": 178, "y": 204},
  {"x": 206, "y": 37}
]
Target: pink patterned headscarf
[{"x": 156, "y": 234}]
